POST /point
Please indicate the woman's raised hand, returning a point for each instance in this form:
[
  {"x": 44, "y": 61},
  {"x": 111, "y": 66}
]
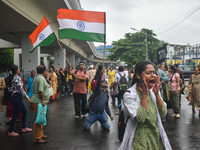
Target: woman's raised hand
[
  {"x": 157, "y": 84},
  {"x": 144, "y": 90}
]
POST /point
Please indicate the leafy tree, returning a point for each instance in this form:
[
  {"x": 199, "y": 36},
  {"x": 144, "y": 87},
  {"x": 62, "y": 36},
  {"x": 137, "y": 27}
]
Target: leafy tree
[
  {"x": 51, "y": 62},
  {"x": 6, "y": 59},
  {"x": 42, "y": 60},
  {"x": 132, "y": 48}
]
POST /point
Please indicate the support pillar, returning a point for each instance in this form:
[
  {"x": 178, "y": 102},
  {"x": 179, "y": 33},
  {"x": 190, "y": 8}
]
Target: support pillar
[
  {"x": 71, "y": 58},
  {"x": 59, "y": 58},
  {"x": 30, "y": 61},
  {"x": 17, "y": 58},
  {"x": 77, "y": 61},
  {"x": 46, "y": 62}
]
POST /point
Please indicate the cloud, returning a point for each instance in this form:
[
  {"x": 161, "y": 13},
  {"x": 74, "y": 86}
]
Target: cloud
[{"x": 158, "y": 15}]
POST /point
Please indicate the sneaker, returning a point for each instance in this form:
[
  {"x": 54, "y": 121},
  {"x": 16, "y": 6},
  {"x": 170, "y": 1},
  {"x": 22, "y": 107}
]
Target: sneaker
[
  {"x": 178, "y": 116},
  {"x": 26, "y": 130},
  {"x": 173, "y": 115},
  {"x": 85, "y": 115},
  {"x": 13, "y": 134},
  {"x": 8, "y": 121},
  {"x": 77, "y": 117}
]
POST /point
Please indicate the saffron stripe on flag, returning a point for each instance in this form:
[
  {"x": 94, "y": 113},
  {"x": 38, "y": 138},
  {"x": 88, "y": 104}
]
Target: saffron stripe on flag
[
  {"x": 88, "y": 16},
  {"x": 76, "y": 34},
  {"x": 43, "y": 24}
]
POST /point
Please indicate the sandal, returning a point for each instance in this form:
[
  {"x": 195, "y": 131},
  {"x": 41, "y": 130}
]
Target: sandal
[
  {"x": 44, "y": 137},
  {"x": 40, "y": 141},
  {"x": 8, "y": 121}
]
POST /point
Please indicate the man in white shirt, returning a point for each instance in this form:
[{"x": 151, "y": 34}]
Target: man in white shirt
[{"x": 116, "y": 83}]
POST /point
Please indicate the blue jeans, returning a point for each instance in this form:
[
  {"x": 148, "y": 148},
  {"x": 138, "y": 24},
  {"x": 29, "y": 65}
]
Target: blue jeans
[
  {"x": 18, "y": 105},
  {"x": 113, "y": 97},
  {"x": 93, "y": 117},
  {"x": 119, "y": 98}
]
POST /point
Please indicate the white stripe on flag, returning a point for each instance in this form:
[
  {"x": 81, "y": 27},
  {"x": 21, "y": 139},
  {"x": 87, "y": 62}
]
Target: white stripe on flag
[
  {"x": 43, "y": 35},
  {"x": 84, "y": 26}
]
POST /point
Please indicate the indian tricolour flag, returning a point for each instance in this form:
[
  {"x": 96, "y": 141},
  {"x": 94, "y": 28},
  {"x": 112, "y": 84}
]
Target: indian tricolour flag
[
  {"x": 42, "y": 35},
  {"x": 81, "y": 25}
]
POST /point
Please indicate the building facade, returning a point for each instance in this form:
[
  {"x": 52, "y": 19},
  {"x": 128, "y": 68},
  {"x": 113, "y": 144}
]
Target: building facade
[
  {"x": 183, "y": 54},
  {"x": 100, "y": 49}
]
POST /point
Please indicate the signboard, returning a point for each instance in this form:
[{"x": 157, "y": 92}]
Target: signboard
[{"x": 161, "y": 54}]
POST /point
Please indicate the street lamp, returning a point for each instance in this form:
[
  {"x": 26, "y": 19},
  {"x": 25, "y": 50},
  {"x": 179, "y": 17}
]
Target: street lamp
[{"x": 146, "y": 41}]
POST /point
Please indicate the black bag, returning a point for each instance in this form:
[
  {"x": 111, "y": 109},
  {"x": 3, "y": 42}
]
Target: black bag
[
  {"x": 92, "y": 98},
  {"x": 123, "y": 84},
  {"x": 6, "y": 96},
  {"x": 121, "y": 126},
  {"x": 182, "y": 90}
]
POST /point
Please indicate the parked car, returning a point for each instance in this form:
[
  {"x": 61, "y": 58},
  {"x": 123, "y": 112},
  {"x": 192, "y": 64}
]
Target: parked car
[{"x": 187, "y": 70}]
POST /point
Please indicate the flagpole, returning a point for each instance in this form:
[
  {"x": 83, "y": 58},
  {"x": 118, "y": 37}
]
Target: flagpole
[
  {"x": 104, "y": 54},
  {"x": 62, "y": 50},
  {"x": 104, "y": 38},
  {"x": 61, "y": 47}
]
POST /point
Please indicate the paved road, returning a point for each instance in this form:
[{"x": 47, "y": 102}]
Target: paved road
[{"x": 66, "y": 133}]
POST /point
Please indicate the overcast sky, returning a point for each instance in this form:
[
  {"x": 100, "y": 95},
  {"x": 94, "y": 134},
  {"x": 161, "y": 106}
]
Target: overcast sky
[{"x": 157, "y": 15}]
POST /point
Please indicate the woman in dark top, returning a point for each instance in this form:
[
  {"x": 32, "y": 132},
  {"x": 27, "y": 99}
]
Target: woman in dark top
[{"x": 15, "y": 87}]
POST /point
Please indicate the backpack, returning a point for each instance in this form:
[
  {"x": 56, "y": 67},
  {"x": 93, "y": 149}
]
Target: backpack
[
  {"x": 123, "y": 85},
  {"x": 92, "y": 98},
  {"x": 93, "y": 84},
  {"x": 122, "y": 124}
]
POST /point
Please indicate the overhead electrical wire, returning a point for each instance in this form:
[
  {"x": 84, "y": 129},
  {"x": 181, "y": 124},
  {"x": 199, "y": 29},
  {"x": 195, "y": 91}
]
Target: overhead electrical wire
[
  {"x": 179, "y": 21},
  {"x": 182, "y": 29},
  {"x": 177, "y": 18}
]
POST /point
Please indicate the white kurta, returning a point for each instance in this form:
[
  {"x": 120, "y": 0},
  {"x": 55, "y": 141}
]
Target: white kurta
[{"x": 131, "y": 103}]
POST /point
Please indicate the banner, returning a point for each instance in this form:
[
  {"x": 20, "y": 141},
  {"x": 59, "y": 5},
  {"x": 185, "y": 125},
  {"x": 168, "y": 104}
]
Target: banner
[{"x": 161, "y": 54}]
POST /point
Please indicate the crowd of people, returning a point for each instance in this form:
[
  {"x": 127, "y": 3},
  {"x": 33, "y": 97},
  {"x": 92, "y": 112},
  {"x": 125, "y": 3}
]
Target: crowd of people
[{"x": 144, "y": 92}]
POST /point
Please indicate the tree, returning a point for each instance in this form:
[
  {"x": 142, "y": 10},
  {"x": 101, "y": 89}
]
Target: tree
[
  {"x": 132, "y": 48},
  {"x": 6, "y": 59}
]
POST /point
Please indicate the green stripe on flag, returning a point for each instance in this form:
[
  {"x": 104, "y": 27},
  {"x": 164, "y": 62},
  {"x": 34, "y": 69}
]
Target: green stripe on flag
[
  {"x": 79, "y": 35},
  {"x": 46, "y": 42}
]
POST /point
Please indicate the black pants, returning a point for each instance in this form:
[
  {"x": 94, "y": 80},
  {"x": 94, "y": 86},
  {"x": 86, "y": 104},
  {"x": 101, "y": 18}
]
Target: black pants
[
  {"x": 71, "y": 86},
  {"x": 77, "y": 98},
  {"x": 65, "y": 84}
]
